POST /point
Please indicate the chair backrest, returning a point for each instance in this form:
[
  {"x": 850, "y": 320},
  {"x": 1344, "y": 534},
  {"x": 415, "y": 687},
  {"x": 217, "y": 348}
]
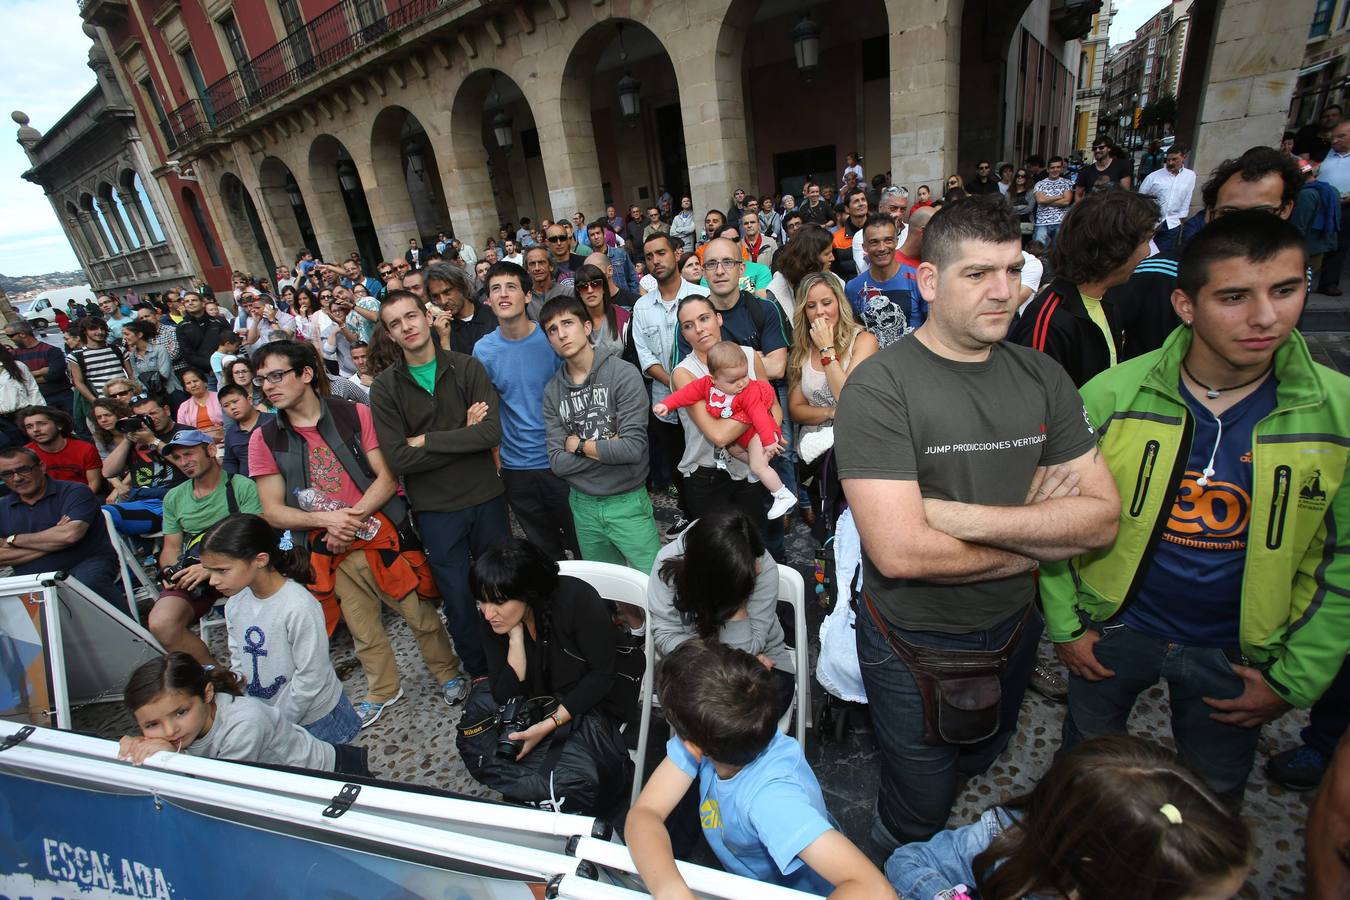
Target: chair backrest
[
  {"x": 792, "y": 590},
  {"x": 623, "y": 585},
  {"x": 125, "y": 559}
]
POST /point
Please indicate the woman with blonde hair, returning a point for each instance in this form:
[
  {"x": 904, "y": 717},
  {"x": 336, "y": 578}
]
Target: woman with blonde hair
[{"x": 827, "y": 345}]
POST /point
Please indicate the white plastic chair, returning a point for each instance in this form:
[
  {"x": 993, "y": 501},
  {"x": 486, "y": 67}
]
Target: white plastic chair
[
  {"x": 128, "y": 566},
  {"x": 210, "y": 621},
  {"x": 628, "y": 586},
  {"x": 792, "y": 590}
]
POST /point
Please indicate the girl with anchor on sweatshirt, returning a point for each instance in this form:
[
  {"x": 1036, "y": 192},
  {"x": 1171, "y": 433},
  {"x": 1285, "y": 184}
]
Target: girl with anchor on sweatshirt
[{"x": 277, "y": 637}]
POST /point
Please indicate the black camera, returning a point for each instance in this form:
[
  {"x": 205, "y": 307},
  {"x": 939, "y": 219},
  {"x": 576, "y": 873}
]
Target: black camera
[
  {"x": 132, "y": 424},
  {"x": 512, "y": 716},
  {"x": 168, "y": 574}
]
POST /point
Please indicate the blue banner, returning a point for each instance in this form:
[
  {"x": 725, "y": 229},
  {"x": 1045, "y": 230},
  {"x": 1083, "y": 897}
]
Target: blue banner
[{"x": 64, "y": 843}]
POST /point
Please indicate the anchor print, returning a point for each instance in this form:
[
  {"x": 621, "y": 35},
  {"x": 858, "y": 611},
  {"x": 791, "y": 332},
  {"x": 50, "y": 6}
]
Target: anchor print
[{"x": 254, "y": 638}]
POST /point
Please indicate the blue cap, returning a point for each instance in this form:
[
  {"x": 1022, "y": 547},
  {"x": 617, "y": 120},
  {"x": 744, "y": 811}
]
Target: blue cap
[{"x": 190, "y": 437}]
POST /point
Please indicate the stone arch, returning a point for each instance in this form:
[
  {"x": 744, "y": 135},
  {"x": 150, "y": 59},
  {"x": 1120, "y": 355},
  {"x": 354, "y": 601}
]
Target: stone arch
[
  {"x": 513, "y": 183},
  {"x": 94, "y": 226},
  {"x": 246, "y": 227},
  {"x": 343, "y": 212},
  {"x": 284, "y": 203},
  {"x": 139, "y": 207},
  {"x": 407, "y": 178},
  {"x": 634, "y": 155}
]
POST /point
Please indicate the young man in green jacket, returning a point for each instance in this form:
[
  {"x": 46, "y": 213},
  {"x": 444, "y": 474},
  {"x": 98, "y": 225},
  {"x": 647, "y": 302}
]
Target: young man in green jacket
[
  {"x": 437, "y": 417},
  {"x": 1229, "y": 577}
]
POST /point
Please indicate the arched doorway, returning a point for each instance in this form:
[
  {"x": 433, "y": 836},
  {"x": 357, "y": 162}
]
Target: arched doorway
[
  {"x": 285, "y": 205},
  {"x": 791, "y": 142},
  {"x": 205, "y": 239},
  {"x": 408, "y": 179},
  {"x": 340, "y": 197},
  {"x": 138, "y": 206},
  {"x": 247, "y": 228},
  {"x": 490, "y": 116},
  {"x": 1016, "y": 96},
  {"x": 620, "y": 76}
]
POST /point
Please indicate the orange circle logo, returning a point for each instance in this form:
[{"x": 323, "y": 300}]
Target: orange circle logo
[{"x": 1219, "y": 509}]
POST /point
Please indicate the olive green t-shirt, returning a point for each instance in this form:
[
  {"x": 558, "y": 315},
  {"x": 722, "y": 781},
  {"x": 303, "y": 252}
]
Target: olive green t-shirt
[
  {"x": 969, "y": 432},
  {"x": 425, "y": 375}
]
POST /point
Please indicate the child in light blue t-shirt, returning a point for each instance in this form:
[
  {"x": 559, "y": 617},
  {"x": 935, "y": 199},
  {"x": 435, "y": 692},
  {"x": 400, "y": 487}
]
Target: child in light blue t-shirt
[
  {"x": 226, "y": 354},
  {"x": 760, "y": 805}
]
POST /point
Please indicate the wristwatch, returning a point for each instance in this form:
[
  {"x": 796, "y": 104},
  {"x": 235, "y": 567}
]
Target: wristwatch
[{"x": 581, "y": 448}]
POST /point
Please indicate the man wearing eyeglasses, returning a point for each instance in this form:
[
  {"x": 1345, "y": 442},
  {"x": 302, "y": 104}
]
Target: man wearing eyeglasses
[
  {"x": 48, "y": 525},
  {"x": 139, "y": 509},
  {"x": 565, "y": 262},
  {"x": 1118, "y": 172},
  {"x": 984, "y": 181},
  {"x": 1263, "y": 178}
]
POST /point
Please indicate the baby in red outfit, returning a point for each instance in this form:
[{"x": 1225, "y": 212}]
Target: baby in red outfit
[{"x": 730, "y": 393}]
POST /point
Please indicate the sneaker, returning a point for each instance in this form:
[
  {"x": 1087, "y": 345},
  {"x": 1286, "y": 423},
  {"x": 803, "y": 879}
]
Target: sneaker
[
  {"x": 1049, "y": 683},
  {"x": 1299, "y": 769},
  {"x": 680, "y": 524},
  {"x": 783, "y": 500},
  {"x": 455, "y": 690},
  {"x": 370, "y": 712}
]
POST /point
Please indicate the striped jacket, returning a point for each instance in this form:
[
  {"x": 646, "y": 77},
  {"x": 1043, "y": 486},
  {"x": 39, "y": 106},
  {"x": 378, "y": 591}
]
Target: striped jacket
[
  {"x": 1295, "y": 605},
  {"x": 1057, "y": 324}
]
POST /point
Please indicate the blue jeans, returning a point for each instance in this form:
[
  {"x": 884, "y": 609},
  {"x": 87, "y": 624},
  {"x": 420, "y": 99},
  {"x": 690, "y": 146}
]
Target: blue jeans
[
  {"x": 451, "y": 540},
  {"x": 919, "y": 780},
  {"x": 1220, "y": 754},
  {"x": 1045, "y": 234},
  {"x": 341, "y": 725},
  {"x": 1330, "y": 715}
]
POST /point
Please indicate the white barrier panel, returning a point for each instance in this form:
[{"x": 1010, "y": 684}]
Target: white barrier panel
[
  {"x": 62, "y": 645},
  {"x": 80, "y": 822}
]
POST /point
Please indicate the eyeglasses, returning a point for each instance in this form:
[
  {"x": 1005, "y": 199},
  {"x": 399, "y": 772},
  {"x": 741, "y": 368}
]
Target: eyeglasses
[
  {"x": 386, "y": 272},
  {"x": 271, "y": 377},
  {"x": 139, "y": 398},
  {"x": 326, "y": 295},
  {"x": 118, "y": 395},
  {"x": 20, "y": 472},
  {"x": 556, "y": 238},
  {"x": 717, "y": 265},
  {"x": 593, "y": 283}
]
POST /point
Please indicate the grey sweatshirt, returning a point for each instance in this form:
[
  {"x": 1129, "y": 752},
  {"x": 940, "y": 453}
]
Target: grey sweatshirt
[
  {"x": 610, "y": 407},
  {"x": 248, "y": 730},
  {"x": 758, "y": 632},
  {"x": 280, "y": 646}
]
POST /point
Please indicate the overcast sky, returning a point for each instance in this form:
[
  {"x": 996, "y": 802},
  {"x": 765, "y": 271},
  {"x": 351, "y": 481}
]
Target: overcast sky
[
  {"x": 43, "y": 72},
  {"x": 1130, "y": 14}
]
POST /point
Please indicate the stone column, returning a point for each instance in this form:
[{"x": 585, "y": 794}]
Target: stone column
[
  {"x": 708, "y": 59},
  {"x": 131, "y": 205},
  {"x": 925, "y": 90},
  {"x": 93, "y": 233},
  {"x": 79, "y": 240},
  {"x": 116, "y": 227},
  {"x": 1250, "y": 61},
  {"x": 566, "y": 144}
]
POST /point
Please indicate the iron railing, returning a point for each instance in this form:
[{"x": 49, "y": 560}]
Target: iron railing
[{"x": 327, "y": 39}]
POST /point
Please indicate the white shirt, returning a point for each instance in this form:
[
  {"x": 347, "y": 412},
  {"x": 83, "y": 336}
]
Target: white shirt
[
  {"x": 16, "y": 394},
  {"x": 1032, "y": 270},
  {"x": 1173, "y": 193},
  {"x": 1335, "y": 171},
  {"x": 518, "y": 259}
]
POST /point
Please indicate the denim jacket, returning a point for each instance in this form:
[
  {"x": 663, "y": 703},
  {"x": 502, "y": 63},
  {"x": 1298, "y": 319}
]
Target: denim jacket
[{"x": 930, "y": 871}]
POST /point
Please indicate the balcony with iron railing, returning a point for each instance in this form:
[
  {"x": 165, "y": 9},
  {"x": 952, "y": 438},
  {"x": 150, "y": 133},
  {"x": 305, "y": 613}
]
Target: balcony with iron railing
[
  {"x": 326, "y": 40},
  {"x": 102, "y": 12}
]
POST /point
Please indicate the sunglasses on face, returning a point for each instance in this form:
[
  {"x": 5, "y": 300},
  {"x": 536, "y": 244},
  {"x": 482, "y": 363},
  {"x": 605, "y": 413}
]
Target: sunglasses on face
[
  {"x": 594, "y": 284},
  {"x": 556, "y": 238}
]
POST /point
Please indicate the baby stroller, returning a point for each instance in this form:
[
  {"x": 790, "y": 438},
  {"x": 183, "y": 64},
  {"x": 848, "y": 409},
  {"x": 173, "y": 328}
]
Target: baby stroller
[{"x": 838, "y": 564}]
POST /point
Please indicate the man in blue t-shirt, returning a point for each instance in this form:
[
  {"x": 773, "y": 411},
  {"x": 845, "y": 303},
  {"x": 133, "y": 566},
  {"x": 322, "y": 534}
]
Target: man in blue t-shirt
[
  {"x": 521, "y": 362},
  {"x": 760, "y": 805},
  {"x": 885, "y": 299},
  {"x": 55, "y": 526}
]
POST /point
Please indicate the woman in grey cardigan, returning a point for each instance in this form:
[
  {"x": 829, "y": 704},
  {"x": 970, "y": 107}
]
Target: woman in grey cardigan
[{"x": 716, "y": 580}]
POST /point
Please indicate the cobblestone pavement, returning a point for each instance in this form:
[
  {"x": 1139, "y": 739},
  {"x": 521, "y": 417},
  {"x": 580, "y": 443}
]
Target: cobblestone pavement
[{"x": 415, "y": 740}]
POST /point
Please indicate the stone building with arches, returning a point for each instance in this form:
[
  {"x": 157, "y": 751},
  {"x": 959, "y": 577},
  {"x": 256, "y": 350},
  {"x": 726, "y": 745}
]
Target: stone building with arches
[
  {"x": 360, "y": 124},
  {"x": 96, "y": 171}
]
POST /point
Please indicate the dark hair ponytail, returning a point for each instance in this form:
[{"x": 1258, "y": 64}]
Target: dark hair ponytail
[
  {"x": 177, "y": 671},
  {"x": 245, "y": 536},
  {"x": 716, "y": 574}
]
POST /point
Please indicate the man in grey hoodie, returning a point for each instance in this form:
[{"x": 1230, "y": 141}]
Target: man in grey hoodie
[{"x": 595, "y": 422}]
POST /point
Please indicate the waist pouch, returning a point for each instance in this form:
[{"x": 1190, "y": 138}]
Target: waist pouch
[{"x": 961, "y": 689}]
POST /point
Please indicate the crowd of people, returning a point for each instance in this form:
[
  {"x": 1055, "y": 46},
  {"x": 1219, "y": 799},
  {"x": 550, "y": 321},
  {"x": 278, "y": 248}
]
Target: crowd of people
[{"x": 1046, "y": 400}]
